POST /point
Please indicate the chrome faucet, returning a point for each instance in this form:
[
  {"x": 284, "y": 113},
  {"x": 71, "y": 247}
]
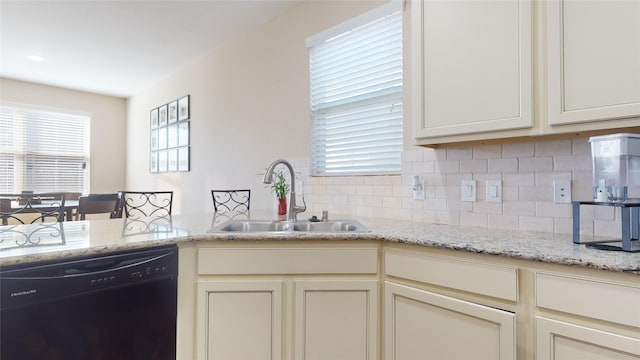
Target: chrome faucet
[{"x": 293, "y": 208}]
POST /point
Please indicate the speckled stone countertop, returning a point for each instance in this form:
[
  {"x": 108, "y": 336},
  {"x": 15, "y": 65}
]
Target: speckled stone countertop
[{"x": 24, "y": 244}]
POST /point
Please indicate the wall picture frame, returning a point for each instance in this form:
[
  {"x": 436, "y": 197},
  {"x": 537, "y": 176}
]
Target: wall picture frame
[
  {"x": 153, "y": 162},
  {"x": 169, "y": 137},
  {"x": 173, "y": 112},
  {"x": 154, "y": 118},
  {"x": 183, "y": 108},
  {"x": 163, "y": 115}
]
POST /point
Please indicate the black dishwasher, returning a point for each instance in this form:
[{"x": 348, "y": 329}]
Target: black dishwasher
[{"x": 116, "y": 306}]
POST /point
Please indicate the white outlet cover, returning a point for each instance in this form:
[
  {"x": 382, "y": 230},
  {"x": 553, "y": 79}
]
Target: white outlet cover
[
  {"x": 468, "y": 190},
  {"x": 562, "y": 191}
]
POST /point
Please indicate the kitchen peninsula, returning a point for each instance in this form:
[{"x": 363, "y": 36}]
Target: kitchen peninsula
[{"x": 515, "y": 293}]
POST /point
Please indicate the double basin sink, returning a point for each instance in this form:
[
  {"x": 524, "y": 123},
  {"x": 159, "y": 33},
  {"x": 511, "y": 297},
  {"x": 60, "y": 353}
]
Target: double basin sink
[{"x": 252, "y": 226}]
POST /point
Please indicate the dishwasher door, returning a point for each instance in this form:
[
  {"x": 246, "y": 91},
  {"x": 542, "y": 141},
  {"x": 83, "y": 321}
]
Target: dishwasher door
[{"x": 117, "y": 306}]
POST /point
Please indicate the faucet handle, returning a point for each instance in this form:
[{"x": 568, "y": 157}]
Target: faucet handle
[{"x": 304, "y": 205}]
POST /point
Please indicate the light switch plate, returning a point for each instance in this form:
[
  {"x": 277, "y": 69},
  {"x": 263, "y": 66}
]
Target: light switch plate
[
  {"x": 468, "y": 190},
  {"x": 494, "y": 191}
]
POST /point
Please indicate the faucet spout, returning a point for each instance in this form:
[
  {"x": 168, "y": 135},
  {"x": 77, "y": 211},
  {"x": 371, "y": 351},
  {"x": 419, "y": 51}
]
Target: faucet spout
[{"x": 294, "y": 209}]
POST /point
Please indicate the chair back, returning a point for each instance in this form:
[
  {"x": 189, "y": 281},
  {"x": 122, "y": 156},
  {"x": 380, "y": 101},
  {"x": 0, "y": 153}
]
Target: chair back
[
  {"x": 147, "y": 204},
  {"x": 231, "y": 200},
  {"x": 98, "y": 204},
  {"x": 43, "y": 205}
]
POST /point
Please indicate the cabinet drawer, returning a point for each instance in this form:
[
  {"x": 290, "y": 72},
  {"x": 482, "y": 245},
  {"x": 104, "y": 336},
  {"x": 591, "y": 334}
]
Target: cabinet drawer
[
  {"x": 589, "y": 297},
  {"x": 228, "y": 261},
  {"x": 476, "y": 277}
]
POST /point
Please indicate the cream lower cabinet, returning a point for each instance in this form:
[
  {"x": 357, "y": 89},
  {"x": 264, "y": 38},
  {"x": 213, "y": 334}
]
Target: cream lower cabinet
[
  {"x": 424, "y": 325},
  {"x": 287, "y": 303},
  {"x": 558, "y": 340},
  {"x": 240, "y": 319},
  {"x": 336, "y": 319},
  {"x": 564, "y": 334}
]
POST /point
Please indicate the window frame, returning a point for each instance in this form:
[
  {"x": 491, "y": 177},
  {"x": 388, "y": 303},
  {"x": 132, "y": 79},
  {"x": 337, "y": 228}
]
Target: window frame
[
  {"x": 348, "y": 26},
  {"x": 22, "y": 156}
]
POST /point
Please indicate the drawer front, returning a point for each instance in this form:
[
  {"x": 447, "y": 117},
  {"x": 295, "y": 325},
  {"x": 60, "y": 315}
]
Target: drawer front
[
  {"x": 229, "y": 261},
  {"x": 476, "y": 277},
  {"x": 618, "y": 303}
]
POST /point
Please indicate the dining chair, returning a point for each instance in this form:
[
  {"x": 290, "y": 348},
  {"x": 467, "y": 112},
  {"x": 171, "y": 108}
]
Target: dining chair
[
  {"x": 147, "y": 204},
  {"x": 98, "y": 204},
  {"x": 13, "y": 207},
  {"x": 231, "y": 200}
]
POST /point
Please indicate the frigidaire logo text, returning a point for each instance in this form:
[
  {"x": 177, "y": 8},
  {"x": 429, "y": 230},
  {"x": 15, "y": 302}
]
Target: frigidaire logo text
[{"x": 25, "y": 292}]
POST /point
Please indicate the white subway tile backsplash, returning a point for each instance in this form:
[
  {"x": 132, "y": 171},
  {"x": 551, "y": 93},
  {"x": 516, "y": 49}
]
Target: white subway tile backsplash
[
  {"x": 534, "y": 164},
  {"x": 459, "y": 153},
  {"x": 473, "y": 219},
  {"x": 502, "y": 165},
  {"x": 447, "y": 167},
  {"x": 527, "y": 171},
  {"x": 572, "y": 163},
  {"x": 517, "y": 150},
  {"x": 553, "y": 148},
  {"x": 473, "y": 166},
  {"x": 550, "y": 209},
  {"x": 487, "y": 151},
  {"x": 520, "y": 208},
  {"x": 502, "y": 221},
  {"x": 533, "y": 223}
]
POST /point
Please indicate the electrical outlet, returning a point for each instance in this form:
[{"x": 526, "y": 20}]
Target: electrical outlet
[
  {"x": 562, "y": 191},
  {"x": 468, "y": 190}
]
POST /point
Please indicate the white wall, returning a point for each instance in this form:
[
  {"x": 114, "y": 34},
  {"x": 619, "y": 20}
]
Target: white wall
[
  {"x": 108, "y": 120},
  {"x": 249, "y": 106}
]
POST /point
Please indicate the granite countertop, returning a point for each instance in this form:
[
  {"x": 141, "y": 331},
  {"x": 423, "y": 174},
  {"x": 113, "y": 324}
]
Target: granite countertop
[{"x": 24, "y": 244}]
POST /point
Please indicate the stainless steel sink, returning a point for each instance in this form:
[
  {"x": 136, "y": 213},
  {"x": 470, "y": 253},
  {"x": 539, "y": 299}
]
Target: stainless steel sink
[{"x": 333, "y": 226}]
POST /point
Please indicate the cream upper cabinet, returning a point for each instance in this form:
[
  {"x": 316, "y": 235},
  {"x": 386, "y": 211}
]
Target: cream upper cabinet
[
  {"x": 472, "y": 67},
  {"x": 497, "y": 69},
  {"x": 593, "y": 52}
]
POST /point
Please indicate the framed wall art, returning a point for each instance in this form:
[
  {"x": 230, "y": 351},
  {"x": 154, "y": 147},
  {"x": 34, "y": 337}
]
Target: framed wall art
[{"x": 169, "y": 138}]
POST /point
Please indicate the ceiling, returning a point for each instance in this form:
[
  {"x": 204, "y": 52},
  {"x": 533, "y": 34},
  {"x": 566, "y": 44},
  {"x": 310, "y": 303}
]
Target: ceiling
[{"x": 119, "y": 48}]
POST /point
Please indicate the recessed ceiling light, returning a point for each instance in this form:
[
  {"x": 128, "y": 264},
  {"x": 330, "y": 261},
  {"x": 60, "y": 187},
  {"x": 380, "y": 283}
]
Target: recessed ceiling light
[{"x": 36, "y": 58}]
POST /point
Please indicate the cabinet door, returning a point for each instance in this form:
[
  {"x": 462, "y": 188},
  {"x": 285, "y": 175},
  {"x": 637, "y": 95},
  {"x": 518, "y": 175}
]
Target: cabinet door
[
  {"x": 239, "y": 320},
  {"x": 424, "y": 325},
  {"x": 471, "y": 66},
  {"x": 594, "y": 60},
  {"x": 336, "y": 319},
  {"x": 558, "y": 340}
]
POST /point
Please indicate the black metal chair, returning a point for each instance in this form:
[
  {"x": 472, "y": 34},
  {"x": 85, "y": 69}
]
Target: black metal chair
[
  {"x": 147, "y": 204},
  {"x": 43, "y": 205},
  {"x": 98, "y": 204},
  {"x": 231, "y": 200}
]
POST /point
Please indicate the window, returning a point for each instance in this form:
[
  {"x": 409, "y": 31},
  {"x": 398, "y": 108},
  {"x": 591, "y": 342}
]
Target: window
[
  {"x": 356, "y": 95},
  {"x": 42, "y": 151}
]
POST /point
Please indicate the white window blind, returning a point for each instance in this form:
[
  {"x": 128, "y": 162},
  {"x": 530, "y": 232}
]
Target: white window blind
[
  {"x": 356, "y": 95},
  {"x": 42, "y": 151}
]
